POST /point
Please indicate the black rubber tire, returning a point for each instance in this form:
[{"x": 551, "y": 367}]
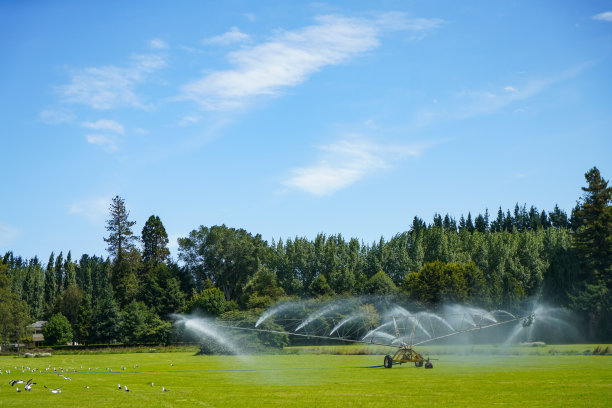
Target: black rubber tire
[
  {"x": 388, "y": 361},
  {"x": 418, "y": 364},
  {"x": 428, "y": 365}
]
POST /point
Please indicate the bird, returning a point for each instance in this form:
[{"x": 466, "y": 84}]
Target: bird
[
  {"x": 119, "y": 387},
  {"x": 126, "y": 388},
  {"x": 152, "y": 385},
  {"x": 28, "y": 386},
  {"x": 13, "y": 382},
  {"x": 64, "y": 377},
  {"x": 164, "y": 389},
  {"x": 17, "y": 389},
  {"x": 86, "y": 387},
  {"x": 54, "y": 390}
]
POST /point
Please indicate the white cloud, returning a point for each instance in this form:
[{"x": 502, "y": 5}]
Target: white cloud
[
  {"x": 250, "y": 16},
  {"x": 471, "y": 103},
  {"x": 417, "y": 27},
  {"x": 188, "y": 120},
  {"x": 230, "y": 37},
  {"x": 158, "y": 44},
  {"x": 56, "y": 116},
  {"x": 346, "y": 162},
  {"x": 605, "y": 16},
  {"x": 107, "y": 142},
  {"x": 8, "y": 234},
  {"x": 111, "y": 86},
  {"x": 93, "y": 209},
  {"x": 290, "y": 58},
  {"x": 105, "y": 124}
]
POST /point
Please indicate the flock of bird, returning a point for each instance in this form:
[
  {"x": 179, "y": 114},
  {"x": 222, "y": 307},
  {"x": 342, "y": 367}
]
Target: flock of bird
[{"x": 27, "y": 385}]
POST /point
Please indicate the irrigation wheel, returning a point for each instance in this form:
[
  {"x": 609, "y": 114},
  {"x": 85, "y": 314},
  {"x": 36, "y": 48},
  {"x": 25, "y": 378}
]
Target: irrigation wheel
[{"x": 388, "y": 361}]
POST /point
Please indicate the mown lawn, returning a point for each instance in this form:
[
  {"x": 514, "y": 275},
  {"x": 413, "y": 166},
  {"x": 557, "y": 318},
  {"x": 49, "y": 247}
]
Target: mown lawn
[{"x": 316, "y": 380}]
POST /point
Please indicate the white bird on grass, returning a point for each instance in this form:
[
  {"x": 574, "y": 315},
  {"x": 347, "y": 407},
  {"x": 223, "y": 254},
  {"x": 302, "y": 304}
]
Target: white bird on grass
[
  {"x": 165, "y": 389},
  {"x": 126, "y": 388},
  {"x": 119, "y": 387},
  {"x": 54, "y": 390},
  {"x": 64, "y": 377}
]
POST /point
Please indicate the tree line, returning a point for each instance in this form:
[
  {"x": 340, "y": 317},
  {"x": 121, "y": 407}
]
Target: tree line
[{"x": 130, "y": 296}]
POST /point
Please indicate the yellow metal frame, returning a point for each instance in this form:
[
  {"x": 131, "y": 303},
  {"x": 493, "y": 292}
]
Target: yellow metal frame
[{"x": 407, "y": 354}]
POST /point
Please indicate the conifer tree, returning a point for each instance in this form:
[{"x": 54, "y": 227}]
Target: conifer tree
[{"x": 154, "y": 242}]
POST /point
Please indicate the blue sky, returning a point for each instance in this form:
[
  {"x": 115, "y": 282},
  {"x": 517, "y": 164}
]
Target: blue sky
[{"x": 296, "y": 118}]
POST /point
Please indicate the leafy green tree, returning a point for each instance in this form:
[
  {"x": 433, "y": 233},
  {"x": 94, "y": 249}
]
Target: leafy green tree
[
  {"x": 320, "y": 287},
  {"x": 209, "y": 301},
  {"x": 380, "y": 284},
  {"x": 82, "y": 329},
  {"x": 154, "y": 242},
  {"x": 50, "y": 290},
  {"x": 141, "y": 325},
  {"x": 228, "y": 256},
  {"x": 69, "y": 303},
  {"x": 161, "y": 291},
  {"x": 262, "y": 288},
  {"x": 14, "y": 312},
  {"x": 107, "y": 326},
  {"x": 593, "y": 239},
  {"x": 593, "y": 243},
  {"x": 70, "y": 271},
  {"x": 59, "y": 272},
  {"x": 57, "y": 331},
  {"x": 33, "y": 290}
]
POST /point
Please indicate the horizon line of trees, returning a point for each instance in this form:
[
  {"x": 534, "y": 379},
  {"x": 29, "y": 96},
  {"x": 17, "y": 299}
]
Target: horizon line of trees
[{"x": 130, "y": 295}]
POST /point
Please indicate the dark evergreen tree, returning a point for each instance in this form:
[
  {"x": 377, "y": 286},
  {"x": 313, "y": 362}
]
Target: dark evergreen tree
[
  {"x": 50, "y": 287},
  {"x": 558, "y": 218},
  {"x": 469, "y": 225},
  {"x": 154, "y": 242},
  {"x": 122, "y": 246},
  {"x": 121, "y": 240},
  {"x": 480, "y": 224},
  {"x": 70, "y": 272},
  {"x": 59, "y": 273}
]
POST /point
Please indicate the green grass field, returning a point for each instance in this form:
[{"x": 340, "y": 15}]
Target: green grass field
[{"x": 462, "y": 376}]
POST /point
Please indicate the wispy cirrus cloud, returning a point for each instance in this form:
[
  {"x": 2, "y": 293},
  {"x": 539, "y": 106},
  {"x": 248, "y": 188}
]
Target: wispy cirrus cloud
[
  {"x": 111, "y": 86},
  {"x": 345, "y": 162},
  {"x": 605, "y": 16},
  {"x": 56, "y": 116},
  {"x": 471, "y": 103},
  {"x": 234, "y": 35},
  {"x": 291, "y": 57},
  {"x": 8, "y": 234},
  {"x": 107, "y": 142},
  {"x": 105, "y": 124},
  {"x": 94, "y": 209},
  {"x": 158, "y": 44}
]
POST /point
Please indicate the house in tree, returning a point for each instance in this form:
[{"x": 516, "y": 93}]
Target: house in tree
[{"x": 35, "y": 331}]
